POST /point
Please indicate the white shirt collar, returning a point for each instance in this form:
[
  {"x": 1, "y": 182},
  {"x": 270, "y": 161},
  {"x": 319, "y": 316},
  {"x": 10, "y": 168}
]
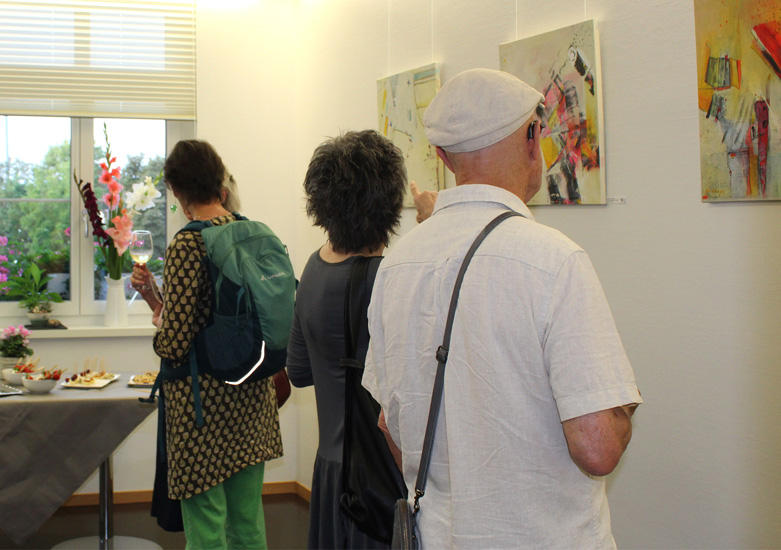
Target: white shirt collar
[{"x": 480, "y": 193}]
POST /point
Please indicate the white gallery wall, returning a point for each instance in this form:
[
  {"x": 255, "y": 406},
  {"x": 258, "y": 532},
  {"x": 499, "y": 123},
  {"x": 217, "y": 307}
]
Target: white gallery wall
[{"x": 694, "y": 287}]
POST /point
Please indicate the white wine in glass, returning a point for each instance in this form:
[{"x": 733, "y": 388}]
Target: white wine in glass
[{"x": 141, "y": 247}]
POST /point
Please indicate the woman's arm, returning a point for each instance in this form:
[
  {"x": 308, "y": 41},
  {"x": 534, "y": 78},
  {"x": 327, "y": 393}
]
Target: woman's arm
[{"x": 184, "y": 278}]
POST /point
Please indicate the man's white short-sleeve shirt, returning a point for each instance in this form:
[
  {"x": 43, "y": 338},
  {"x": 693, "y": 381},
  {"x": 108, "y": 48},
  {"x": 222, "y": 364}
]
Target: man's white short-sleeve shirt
[{"x": 533, "y": 344}]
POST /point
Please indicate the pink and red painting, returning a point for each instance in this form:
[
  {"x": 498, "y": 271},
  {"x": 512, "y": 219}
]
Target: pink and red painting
[
  {"x": 739, "y": 98},
  {"x": 564, "y": 66}
]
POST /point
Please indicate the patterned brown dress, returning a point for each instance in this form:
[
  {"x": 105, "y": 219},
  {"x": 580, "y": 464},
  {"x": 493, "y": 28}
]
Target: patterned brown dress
[{"x": 241, "y": 422}]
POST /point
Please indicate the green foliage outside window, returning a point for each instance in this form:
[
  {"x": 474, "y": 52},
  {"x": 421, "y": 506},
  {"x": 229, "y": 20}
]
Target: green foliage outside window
[{"x": 40, "y": 232}]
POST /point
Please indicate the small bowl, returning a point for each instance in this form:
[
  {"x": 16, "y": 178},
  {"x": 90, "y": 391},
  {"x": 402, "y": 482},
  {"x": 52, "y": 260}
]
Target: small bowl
[
  {"x": 13, "y": 378},
  {"x": 39, "y": 385}
]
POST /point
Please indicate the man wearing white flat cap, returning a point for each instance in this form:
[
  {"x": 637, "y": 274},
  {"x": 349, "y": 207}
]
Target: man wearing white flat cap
[{"x": 538, "y": 390}]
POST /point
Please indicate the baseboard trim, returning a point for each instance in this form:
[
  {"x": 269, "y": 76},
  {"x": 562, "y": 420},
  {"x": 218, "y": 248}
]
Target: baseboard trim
[{"x": 135, "y": 497}]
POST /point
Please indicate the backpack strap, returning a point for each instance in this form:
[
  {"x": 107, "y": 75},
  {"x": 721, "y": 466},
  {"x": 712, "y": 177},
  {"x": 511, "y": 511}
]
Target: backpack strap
[{"x": 155, "y": 388}]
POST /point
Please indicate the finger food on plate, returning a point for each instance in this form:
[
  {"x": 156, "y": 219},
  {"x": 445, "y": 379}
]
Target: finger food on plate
[{"x": 146, "y": 378}]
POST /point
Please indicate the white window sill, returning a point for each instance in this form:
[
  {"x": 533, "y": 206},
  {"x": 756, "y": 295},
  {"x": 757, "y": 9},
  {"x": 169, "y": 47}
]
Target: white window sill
[{"x": 89, "y": 327}]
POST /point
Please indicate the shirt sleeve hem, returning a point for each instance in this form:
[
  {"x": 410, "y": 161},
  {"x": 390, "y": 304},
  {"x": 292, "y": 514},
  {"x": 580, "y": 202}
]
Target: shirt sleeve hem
[{"x": 607, "y": 398}]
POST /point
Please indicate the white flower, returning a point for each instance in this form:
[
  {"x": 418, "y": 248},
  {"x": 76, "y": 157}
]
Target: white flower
[{"x": 143, "y": 195}]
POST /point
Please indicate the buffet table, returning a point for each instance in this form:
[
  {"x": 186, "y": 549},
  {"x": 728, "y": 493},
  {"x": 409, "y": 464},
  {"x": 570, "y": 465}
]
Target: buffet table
[{"x": 50, "y": 444}]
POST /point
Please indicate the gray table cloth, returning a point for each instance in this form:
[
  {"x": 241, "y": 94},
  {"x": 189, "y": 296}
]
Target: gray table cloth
[{"x": 50, "y": 444}]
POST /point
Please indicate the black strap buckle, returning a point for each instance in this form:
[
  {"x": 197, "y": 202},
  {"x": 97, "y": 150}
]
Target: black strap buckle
[{"x": 442, "y": 354}]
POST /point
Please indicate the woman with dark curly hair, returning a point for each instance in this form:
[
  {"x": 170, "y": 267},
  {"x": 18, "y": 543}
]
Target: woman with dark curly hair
[{"x": 355, "y": 191}]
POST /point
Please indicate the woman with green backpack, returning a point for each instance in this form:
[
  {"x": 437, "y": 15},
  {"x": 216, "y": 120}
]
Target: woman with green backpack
[{"x": 216, "y": 470}]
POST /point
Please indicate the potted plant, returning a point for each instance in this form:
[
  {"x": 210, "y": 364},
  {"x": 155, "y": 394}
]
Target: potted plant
[
  {"x": 14, "y": 346},
  {"x": 30, "y": 288}
]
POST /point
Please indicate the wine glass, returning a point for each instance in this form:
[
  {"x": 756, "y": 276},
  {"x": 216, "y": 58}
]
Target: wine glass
[
  {"x": 141, "y": 247},
  {"x": 141, "y": 250}
]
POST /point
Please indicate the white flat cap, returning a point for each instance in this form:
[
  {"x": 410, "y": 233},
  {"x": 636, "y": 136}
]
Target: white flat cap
[{"x": 478, "y": 108}]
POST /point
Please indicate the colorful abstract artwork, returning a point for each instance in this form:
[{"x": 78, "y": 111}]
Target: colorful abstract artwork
[
  {"x": 739, "y": 97},
  {"x": 564, "y": 66},
  {"x": 401, "y": 101}
]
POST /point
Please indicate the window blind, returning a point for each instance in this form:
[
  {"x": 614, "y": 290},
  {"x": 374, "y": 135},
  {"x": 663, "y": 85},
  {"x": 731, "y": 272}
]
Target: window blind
[{"x": 134, "y": 59}]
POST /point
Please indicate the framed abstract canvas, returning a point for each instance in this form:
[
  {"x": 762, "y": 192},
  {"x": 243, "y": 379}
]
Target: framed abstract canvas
[
  {"x": 739, "y": 98},
  {"x": 564, "y": 66},
  {"x": 401, "y": 101}
]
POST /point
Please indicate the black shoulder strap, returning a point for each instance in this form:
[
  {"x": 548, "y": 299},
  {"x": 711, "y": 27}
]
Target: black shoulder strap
[
  {"x": 354, "y": 318},
  {"x": 442, "y": 351},
  {"x": 355, "y": 305}
]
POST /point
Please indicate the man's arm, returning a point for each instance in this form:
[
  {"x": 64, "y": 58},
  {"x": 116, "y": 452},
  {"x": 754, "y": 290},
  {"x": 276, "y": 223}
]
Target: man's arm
[
  {"x": 395, "y": 451},
  {"x": 596, "y": 441}
]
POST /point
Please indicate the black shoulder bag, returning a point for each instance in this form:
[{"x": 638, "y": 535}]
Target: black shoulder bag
[
  {"x": 405, "y": 534},
  {"x": 371, "y": 481}
]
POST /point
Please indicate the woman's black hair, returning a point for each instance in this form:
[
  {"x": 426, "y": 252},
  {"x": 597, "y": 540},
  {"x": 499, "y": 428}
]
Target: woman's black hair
[
  {"x": 355, "y": 190},
  {"x": 195, "y": 172}
]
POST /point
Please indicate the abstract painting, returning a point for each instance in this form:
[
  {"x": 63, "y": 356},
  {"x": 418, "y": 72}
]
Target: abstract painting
[
  {"x": 739, "y": 98},
  {"x": 401, "y": 101},
  {"x": 564, "y": 66}
]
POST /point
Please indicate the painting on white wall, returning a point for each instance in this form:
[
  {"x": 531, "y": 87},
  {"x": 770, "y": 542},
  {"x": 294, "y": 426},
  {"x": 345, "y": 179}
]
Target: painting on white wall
[
  {"x": 564, "y": 66},
  {"x": 739, "y": 98},
  {"x": 401, "y": 101}
]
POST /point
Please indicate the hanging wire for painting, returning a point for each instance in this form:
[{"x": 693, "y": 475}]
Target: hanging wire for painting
[
  {"x": 389, "y": 34},
  {"x": 432, "y": 31}
]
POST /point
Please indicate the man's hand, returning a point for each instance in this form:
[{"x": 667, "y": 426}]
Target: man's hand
[
  {"x": 424, "y": 202},
  {"x": 395, "y": 451}
]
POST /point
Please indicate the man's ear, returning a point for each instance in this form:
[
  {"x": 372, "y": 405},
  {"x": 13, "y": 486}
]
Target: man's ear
[
  {"x": 441, "y": 153},
  {"x": 533, "y": 147}
]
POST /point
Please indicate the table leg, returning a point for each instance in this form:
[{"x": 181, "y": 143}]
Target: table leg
[
  {"x": 106, "y": 493},
  {"x": 106, "y": 539}
]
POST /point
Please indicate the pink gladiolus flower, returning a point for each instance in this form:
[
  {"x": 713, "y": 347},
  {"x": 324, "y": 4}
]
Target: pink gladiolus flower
[
  {"x": 68, "y": 231},
  {"x": 104, "y": 166},
  {"x": 111, "y": 200},
  {"x": 115, "y": 187},
  {"x": 3, "y": 241},
  {"x": 122, "y": 232},
  {"x": 105, "y": 178}
]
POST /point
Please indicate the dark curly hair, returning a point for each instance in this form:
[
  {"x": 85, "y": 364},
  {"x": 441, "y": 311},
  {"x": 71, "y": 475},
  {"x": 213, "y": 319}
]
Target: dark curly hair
[
  {"x": 195, "y": 172},
  {"x": 355, "y": 190}
]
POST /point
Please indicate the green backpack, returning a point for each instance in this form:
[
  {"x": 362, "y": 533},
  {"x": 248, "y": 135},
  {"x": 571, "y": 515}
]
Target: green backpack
[{"x": 253, "y": 295}]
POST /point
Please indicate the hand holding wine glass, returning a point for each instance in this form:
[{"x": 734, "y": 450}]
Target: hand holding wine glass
[{"x": 141, "y": 250}]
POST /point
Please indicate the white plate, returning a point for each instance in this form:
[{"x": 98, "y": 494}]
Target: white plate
[
  {"x": 96, "y": 384},
  {"x": 133, "y": 384}
]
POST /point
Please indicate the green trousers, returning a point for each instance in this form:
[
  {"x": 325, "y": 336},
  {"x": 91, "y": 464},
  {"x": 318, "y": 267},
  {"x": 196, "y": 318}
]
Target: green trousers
[{"x": 229, "y": 515}]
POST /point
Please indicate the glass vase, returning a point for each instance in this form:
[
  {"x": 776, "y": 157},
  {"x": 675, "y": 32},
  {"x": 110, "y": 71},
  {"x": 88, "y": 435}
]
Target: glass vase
[{"x": 116, "y": 304}]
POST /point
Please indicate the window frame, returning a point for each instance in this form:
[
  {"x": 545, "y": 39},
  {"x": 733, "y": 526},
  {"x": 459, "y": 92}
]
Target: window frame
[{"x": 82, "y": 305}]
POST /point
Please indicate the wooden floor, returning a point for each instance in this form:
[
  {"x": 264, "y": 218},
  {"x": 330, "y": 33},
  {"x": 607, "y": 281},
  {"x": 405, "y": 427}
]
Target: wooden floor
[{"x": 286, "y": 525}]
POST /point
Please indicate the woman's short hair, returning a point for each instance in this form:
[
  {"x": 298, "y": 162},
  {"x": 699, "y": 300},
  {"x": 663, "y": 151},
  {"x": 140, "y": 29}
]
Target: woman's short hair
[
  {"x": 355, "y": 188},
  {"x": 195, "y": 172}
]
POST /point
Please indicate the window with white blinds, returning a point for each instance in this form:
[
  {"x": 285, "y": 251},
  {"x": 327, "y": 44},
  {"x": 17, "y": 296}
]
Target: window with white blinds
[{"x": 134, "y": 59}]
